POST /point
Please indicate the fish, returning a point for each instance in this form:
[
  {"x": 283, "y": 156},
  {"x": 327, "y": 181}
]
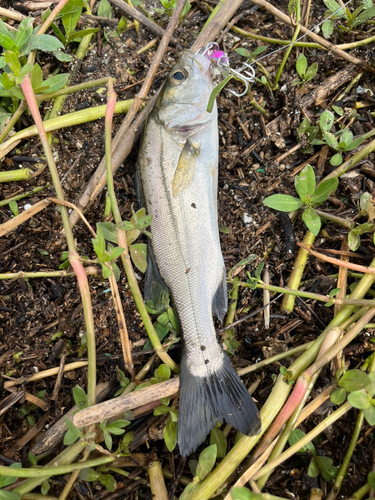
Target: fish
[{"x": 177, "y": 172}]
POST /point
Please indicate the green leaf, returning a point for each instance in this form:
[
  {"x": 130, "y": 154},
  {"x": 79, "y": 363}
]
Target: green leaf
[
  {"x": 305, "y": 184},
  {"x": 170, "y": 435},
  {"x": 12, "y": 61},
  {"x": 327, "y": 470},
  {"x": 14, "y": 207},
  {"x": 122, "y": 26},
  {"x": 324, "y": 190},
  {"x": 9, "y": 495},
  {"x": 107, "y": 439},
  {"x": 45, "y": 487},
  {"x": 108, "y": 482},
  {"x": 138, "y": 253},
  {"x": 88, "y": 474},
  {"x": 116, "y": 252},
  {"x": 36, "y": 76},
  {"x": 206, "y": 461},
  {"x": 369, "y": 414},
  {"x": 190, "y": 490},
  {"x": 354, "y": 144},
  {"x": 82, "y": 33},
  {"x": 80, "y": 397},
  {"x": 7, "y": 42},
  {"x": 7, "y": 480},
  {"x": 241, "y": 494},
  {"x": 162, "y": 373},
  {"x": 301, "y": 66},
  {"x": 104, "y": 9},
  {"x": 312, "y": 220},
  {"x": 45, "y": 43},
  {"x": 3, "y": 28},
  {"x": 312, "y": 71},
  {"x": 161, "y": 410},
  {"x": 338, "y": 110},
  {"x": 26, "y": 69},
  {"x": 366, "y": 14},
  {"x": 331, "y": 140},
  {"x": 313, "y": 470},
  {"x": 218, "y": 437},
  {"x": 326, "y": 120},
  {"x": 292, "y": 6},
  {"x": 338, "y": 396},
  {"x": 58, "y": 33},
  {"x": 143, "y": 222},
  {"x": 73, "y": 432},
  {"x": 332, "y": 5},
  {"x": 359, "y": 399},
  {"x": 62, "y": 56},
  {"x": 173, "y": 318},
  {"x": 336, "y": 159},
  {"x": 327, "y": 28},
  {"x": 354, "y": 380},
  {"x": 295, "y": 436},
  {"x": 24, "y": 32},
  {"x": 109, "y": 231},
  {"x": 56, "y": 82},
  {"x": 371, "y": 479},
  {"x": 70, "y": 15},
  {"x": 283, "y": 202}
]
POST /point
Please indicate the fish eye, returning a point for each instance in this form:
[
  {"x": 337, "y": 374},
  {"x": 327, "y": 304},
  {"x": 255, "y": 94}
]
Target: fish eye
[{"x": 177, "y": 77}]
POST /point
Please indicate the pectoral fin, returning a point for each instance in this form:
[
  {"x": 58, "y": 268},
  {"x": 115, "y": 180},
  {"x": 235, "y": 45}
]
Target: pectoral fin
[{"x": 184, "y": 172}]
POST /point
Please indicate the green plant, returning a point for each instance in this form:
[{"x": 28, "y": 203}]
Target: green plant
[
  {"x": 365, "y": 208},
  {"x": 305, "y": 73},
  {"x": 170, "y": 432},
  {"x": 92, "y": 475},
  {"x": 359, "y": 16},
  {"x": 70, "y": 16},
  {"x": 170, "y": 5},
  {"x": 105, "y": 255},
  {"x": 310, "y": 197},
  {"x": 27, "y": 409},
  {"x": 167, "y": 323},
  {"x": 123, "y": 380},
  {"x": 115, "y": 428},
  {"x": 341, "y": 141},
  {"x": 7, "y": 481},
  {"x": 134, "y": 228},
  {"x": 200, "y": 470},
  {"x": 359, "y": 388}
]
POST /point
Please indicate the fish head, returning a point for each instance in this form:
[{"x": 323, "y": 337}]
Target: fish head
[{"x": 181, "y": 107}]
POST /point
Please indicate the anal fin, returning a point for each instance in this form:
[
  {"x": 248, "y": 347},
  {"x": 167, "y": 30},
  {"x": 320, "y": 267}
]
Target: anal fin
[
  {"x": 156, "y": 292},
  {"x": 220, "y": 300}
]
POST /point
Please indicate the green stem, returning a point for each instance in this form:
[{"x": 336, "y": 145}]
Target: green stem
[
  {"x": 340, "y": 476},
  {"x": 347, "y": 165},
  {"x": 276, "y": 400},
  {"x": 296, "y": 275},
  {"x": 23, "y": 195},
  {"x": 288, "y": 50},
  {"x": 359, "y": 494},
  {"x": 72, "y": 89},
  {"x": 16, "y": 116},
  {"x": 344, "y": 46},
  {"x": 273, "y": 359},
  {"x": 284, "y": 436},
  {"x": 68, "y": 120},
  {"x": 306, "y": 439},
  {"x": 213, "y": 13},
  {"x": 233, "y": 297},
  {"x": 23, "y": 174},
  {"x": 349, "y": 223},
  {"x": 53, "y": 471}
]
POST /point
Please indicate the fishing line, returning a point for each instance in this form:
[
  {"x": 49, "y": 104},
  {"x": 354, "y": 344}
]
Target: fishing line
[
  {"x": 221, "y": 60},
  {"x": 302, "y": 36}
]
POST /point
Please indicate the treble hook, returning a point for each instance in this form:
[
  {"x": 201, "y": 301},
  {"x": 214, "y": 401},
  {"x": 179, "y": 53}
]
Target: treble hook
[{"x": 244, "y": 77}]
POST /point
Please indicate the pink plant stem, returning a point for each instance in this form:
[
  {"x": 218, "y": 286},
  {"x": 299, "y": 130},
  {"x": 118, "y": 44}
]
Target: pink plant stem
[
  {"x": 296, "y": 396},
  {"x": 78, "y": 268},
  {"x": 337, "y": 262}
]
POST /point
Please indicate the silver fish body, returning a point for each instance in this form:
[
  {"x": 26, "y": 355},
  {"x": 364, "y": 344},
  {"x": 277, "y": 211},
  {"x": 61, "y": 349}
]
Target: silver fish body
[{"x": 178, "y": 175}]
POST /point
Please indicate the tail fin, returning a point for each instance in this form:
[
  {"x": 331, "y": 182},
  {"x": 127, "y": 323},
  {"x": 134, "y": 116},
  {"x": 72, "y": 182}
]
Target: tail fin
[{"x": 204, "y": 401}]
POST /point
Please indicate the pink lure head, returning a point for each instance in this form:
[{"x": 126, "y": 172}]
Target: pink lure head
[{"x": 218, "y": 57}]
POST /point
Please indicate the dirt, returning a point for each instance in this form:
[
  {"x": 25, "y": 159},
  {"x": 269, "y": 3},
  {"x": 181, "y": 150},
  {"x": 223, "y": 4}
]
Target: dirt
[{"x": 42, "y": 318}]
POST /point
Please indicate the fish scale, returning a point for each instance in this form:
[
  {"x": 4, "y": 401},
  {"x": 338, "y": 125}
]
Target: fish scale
[{"x": 178, "y": 175}]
